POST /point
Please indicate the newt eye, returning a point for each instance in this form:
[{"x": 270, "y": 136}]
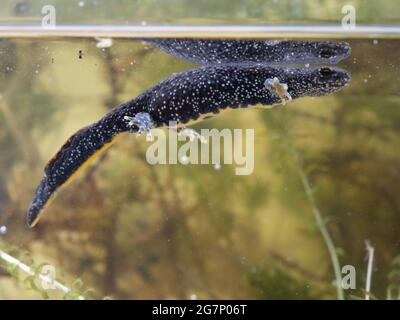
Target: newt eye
[
  {"x": 326, "y": 53},
  {"x": 326, "y": 72}
]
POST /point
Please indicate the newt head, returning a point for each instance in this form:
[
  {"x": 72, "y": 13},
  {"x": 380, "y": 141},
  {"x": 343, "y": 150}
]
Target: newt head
[
  {"x": 331, "y": 52},
  {"x": 315, "y": 81}
]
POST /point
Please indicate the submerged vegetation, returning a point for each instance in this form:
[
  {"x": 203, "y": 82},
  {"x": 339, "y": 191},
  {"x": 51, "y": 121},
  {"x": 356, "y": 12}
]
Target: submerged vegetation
[{"x": 131, "y": 230}]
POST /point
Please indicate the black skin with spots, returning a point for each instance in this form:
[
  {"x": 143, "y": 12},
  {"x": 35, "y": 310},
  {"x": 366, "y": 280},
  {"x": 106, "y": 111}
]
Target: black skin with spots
[
  {"x": 184, "y": 97},
  {"x": 273, "y": 52}
]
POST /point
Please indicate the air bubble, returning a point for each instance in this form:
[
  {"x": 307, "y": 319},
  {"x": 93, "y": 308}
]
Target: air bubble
[
  {"x": 103, "y": 43},
  {"x": 3, "y": 230}
]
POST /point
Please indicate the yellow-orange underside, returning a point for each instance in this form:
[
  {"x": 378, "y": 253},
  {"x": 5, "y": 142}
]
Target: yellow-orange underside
[{"x": 74, "y": 174}]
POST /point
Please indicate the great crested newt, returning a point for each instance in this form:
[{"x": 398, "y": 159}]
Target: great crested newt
[
  {"x": 183, "y": 97},
  {"x": 272, "y": 52}
]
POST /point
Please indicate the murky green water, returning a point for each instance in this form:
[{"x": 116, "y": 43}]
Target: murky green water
[{"x": 131, "y": 230}]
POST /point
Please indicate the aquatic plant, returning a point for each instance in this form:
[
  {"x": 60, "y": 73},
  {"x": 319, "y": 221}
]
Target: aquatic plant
[{"x": 38, "y": 277}]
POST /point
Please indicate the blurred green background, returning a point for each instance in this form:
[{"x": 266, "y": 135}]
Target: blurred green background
[{"x": 131, "y": 230}]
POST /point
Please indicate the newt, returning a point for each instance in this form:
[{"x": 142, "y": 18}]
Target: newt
[
  {"x": 183, "y": 97},
  {"x": 272, "y": 52}
]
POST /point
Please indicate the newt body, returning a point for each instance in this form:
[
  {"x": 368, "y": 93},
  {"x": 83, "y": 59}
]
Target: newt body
[
  {"x": 182, "y": 97},
  {"x": 272, "y": 52}
]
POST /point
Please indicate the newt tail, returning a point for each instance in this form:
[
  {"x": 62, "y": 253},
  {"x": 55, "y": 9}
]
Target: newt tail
[{"x": 77, "y": 153}]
